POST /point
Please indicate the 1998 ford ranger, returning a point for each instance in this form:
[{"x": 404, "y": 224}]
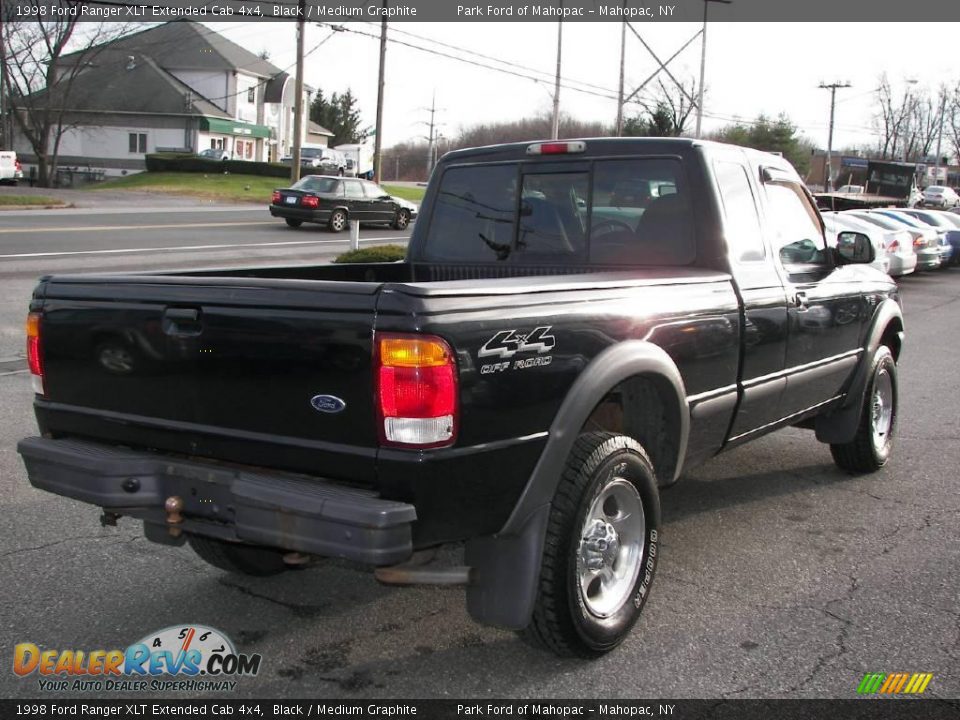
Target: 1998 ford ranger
[{"x": 576, "y": 324}]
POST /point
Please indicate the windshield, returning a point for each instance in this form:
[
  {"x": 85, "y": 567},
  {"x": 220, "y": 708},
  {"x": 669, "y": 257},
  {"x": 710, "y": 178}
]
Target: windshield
[
  {"x": 317, "y": 184},
  {"x": 310, "y": 153},
  {"x": 935, "y": 189}
]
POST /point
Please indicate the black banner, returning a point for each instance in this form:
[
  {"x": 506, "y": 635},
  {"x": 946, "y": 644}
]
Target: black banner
[
  {"x": 340, "y": 11},
  {"x": 862, "y": 709}
]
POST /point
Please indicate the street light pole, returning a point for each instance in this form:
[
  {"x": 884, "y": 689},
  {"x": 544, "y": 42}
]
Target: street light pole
[{"x": 703, "y": 60}]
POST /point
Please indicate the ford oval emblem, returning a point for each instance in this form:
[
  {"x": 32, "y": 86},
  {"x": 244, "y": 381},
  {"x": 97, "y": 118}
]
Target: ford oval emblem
[{"x": 327, "y": 404}]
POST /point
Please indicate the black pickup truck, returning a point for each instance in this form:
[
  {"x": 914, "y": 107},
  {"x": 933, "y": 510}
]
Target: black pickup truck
[{"x": 576, "y": 324}]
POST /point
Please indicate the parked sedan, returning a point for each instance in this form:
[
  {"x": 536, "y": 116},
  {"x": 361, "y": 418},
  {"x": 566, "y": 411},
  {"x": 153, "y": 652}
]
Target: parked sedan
[
  {"x": 940, "y": 238},
  {"x": 836, "y": 225},
  {"x": 940, "y": 196},
  {"x": 898, "y": 244},
  {"x": 948, "y": 223},
  {"x": 925, "y": 242},
  {"x": 335, "y": 201},
  {"x": 214, "y": 154}
]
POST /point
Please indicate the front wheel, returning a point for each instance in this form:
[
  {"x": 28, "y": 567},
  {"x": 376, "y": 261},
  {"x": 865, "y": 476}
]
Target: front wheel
[
  {"x": 338, "y": 221},
  {"x": 600, "y": 552},
  {"x": 402, "y": 219},
  {"x": 871, "y": 446}
]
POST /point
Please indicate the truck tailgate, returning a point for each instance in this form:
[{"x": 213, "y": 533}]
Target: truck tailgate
[{"x": 262, "y": 371}]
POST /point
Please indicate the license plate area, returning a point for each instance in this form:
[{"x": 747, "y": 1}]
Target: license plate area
[{"x": 290, "y": 200}]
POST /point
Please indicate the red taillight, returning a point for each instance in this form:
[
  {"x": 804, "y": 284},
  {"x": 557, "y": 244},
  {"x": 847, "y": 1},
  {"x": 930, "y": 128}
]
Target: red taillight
[
  {"x": 556, "y": 148},
  {"x": 276, "y": 196},
  {"x": 17, "y": 166},
  {"x": 416, "y": 379},
  {"x": 919, "y": 242},
  {"x": 310, "y": 201},
  {"x": 35, "y": 352},
  {"x": 894, "y": 246}
]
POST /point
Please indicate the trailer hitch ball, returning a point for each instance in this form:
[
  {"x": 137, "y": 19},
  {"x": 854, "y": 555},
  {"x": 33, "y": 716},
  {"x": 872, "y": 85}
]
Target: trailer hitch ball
[{"x": 174, "y": 506}]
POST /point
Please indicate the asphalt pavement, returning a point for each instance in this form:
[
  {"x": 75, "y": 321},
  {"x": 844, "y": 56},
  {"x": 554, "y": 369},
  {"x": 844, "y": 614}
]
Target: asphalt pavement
[{"x": 780, "y": 576}]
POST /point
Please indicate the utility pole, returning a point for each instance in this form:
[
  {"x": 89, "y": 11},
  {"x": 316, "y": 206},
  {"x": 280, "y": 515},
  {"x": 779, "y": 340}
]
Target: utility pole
[
  {"x": 298, "y": 95},
  {"x": 623, "y": 52},
  {"x": 555, "y": 131},
  {"x": 431, "y": 138},
  {"x": 832, "y": 87},
  {"x": 703, "y": 60},
  {"x": 378, "y": 140},
  {"x": 936, "y": 167}
]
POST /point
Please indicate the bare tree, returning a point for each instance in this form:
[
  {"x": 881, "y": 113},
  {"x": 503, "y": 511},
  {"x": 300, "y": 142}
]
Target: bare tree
[
  {"x": 37, "y": 86},
  {"x": 666, "y": 110},
  {"x": 893, "y": 120}
]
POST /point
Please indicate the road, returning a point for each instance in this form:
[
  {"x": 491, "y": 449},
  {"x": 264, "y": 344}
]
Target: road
[
  {"x": 779, "y": 577},
  {"x": 133, "y": 238}
]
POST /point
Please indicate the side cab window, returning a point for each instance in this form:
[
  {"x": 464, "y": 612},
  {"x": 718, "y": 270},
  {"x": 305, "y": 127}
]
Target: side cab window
[{"x": 796, "y": 234}]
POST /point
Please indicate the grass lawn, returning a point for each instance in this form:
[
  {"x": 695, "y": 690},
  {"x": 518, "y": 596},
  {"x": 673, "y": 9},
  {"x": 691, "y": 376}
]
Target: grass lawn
[
  {"x": 232, "y": 188},
  {"x": 407, "y": 192},
  {"x": 29, "y": 200}
]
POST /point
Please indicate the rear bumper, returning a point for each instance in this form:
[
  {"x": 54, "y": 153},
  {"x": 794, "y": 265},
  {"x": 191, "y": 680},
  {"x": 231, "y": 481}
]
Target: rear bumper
[
  {"x": 296, "y": 213},
  {"x": 290, "y": 512}
]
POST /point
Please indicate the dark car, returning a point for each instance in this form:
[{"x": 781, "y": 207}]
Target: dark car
[
  {"x": 322, "y": 160},
  {"x": 335, "y": 201}
]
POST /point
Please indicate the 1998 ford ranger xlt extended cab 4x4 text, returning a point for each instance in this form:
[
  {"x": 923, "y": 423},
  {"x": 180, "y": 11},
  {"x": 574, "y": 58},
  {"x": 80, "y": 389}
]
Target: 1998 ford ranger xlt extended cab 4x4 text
[{"x": 576, "y": 323}]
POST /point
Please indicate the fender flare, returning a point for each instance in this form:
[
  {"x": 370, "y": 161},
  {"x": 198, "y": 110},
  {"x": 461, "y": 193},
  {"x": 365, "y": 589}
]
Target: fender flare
[
  {"x": 840, "y": 425},
  {"x": 506, "y": 566}
]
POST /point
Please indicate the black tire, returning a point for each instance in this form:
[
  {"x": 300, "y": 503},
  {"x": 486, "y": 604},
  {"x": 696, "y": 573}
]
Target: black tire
[
  {"x": 871, "y": 446},
  {"x": 568, "y": 620},
  {"x": 293, "y": 222},
  {"x": 402, "y": 219},
  {"x": 237, "y": 558},
  {"x": 338, "y": 221}
]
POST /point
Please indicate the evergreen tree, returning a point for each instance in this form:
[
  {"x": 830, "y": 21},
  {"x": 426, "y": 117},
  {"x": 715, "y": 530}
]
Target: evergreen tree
[{"x": 340, "y": 116}]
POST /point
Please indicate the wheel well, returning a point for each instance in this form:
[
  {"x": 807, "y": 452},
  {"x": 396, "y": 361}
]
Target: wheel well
[
  {"x": 891, "y": 337},
  {"x": 644, "y": 408}
]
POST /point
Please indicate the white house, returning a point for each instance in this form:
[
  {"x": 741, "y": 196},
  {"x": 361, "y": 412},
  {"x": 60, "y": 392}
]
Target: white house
[{"x": 178, "y": 86}]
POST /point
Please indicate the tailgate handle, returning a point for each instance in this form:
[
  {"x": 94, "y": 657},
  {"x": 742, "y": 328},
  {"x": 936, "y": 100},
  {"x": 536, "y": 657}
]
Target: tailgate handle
[{"x": 181, "y": 321}]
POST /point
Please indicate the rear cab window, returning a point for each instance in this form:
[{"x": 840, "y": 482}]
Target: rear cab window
[{"x": 602, "y": 212}]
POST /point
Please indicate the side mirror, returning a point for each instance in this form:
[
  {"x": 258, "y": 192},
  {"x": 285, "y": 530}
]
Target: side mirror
[{"x": 854, "y": 248}]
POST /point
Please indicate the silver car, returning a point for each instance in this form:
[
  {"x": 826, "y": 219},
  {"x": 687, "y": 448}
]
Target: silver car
[{"x": 926, "y": 242}]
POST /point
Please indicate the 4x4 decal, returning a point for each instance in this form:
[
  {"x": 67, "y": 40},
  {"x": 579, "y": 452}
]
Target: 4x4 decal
[{"x": 507, "y": 343}]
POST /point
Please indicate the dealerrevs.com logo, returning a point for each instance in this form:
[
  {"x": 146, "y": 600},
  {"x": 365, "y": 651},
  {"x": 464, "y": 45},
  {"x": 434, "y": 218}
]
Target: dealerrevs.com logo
[{"x": 187, "y": 658}]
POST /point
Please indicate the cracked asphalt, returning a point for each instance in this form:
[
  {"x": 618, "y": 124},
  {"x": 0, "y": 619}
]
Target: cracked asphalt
[{"x": 780, "y": 576}]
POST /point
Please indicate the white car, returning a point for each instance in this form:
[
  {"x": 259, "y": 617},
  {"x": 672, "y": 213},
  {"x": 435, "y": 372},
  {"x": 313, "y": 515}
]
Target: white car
[
  {"x": 836, "y": 225},
  {"x": 898, "y": 244},
  {"x": 940, "y": 196},
  {"x": 10, "y": 169},
  {"x": 214, "y": 154},
  {"x": 851, "y": 189}
]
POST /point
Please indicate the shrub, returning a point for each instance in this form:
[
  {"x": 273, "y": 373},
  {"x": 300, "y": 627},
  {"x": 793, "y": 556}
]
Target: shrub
[
  {"x": 186, "y": 162},
  {"x": 375, "y": 254}
]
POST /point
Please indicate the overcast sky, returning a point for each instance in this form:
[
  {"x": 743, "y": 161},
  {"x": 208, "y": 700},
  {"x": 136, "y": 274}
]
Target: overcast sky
[{"x": 751, "y": 68}]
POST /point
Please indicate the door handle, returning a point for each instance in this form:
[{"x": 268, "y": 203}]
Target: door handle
[
  {"x": 181, "y": 322},
  {"x": 801, "y": 300}
]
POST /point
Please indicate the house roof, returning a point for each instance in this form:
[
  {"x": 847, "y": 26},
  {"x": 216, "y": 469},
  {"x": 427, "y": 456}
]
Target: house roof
[
  {"x": 314, "y": 129},
  {"x": 140, "y": 86},
  {"x": 186, "y": 45}
]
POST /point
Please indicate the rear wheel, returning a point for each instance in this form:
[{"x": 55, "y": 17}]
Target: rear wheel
[
  {"x": 338, "y": 221},
  {"x": 402, "y": 219},
  {"x": 294, "y": 223},
  {"x": 237, "y": 558},
  {"x": 871, "y": 446},
  {"x": 600, "y": 552}
]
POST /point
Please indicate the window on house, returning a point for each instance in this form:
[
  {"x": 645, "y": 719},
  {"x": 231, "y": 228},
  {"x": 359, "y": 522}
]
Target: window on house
[
  {"x": 251, "y": 95},
  {"x": 138, "y": 142}
]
